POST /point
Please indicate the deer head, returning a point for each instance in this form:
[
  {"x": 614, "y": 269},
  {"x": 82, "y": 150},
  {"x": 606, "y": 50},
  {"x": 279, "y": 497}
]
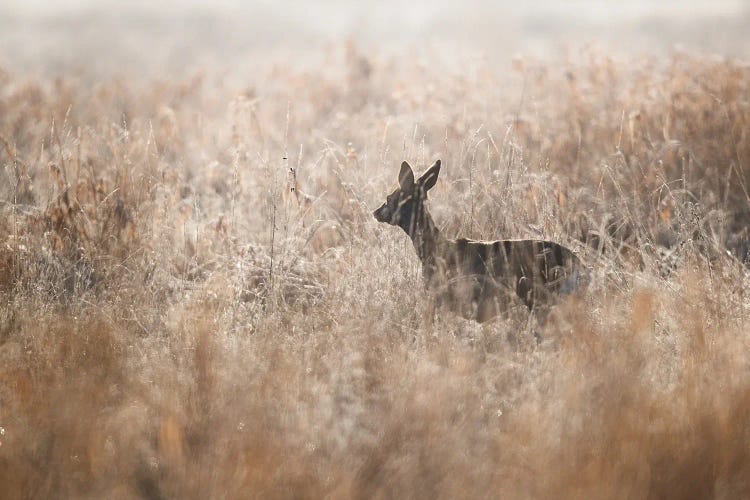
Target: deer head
[{"x": 404, "y": 207}]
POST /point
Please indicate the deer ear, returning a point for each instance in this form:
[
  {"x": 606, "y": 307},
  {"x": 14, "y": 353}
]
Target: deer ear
[
  {"x": 406, "y": 177},
  {"x": 429, "y": 178}
]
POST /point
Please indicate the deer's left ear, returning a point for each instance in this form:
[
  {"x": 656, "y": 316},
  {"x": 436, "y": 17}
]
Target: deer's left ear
[
  {"x": 429, "y": 178},
  {"x": 406, "y": 177}
]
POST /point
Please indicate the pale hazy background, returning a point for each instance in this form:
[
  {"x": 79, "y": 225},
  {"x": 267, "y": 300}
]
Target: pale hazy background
[{"x": 91, "y": 37}]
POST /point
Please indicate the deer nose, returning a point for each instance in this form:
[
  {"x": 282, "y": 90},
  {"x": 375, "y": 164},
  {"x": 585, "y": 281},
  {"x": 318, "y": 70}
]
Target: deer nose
[{"x": 379, "y": 215}]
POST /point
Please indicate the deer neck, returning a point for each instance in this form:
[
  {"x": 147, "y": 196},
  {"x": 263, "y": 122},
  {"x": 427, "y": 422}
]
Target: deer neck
[{"x": 425, "y": 235}]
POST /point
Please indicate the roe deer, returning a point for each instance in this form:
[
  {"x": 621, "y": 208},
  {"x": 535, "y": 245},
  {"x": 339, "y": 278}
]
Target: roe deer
[{"x": 477, "y": 278}]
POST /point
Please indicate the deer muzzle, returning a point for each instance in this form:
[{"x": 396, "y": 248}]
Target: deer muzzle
[{"x": 382, "y": 214}]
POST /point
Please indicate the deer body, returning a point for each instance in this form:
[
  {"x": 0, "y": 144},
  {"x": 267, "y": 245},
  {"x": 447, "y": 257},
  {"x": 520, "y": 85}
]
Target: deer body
[{"x": 477, "y": 279}]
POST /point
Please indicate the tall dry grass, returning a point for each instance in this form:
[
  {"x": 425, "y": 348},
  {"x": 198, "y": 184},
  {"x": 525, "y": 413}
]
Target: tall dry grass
[{"x": 177, "y": 322}]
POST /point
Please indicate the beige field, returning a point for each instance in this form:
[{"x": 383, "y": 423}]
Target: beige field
[{"x": 196, "y": 302}]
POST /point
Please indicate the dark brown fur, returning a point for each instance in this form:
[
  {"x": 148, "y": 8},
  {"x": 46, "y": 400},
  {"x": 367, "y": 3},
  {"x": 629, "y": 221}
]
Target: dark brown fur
[{"x": 478, "y": 279}]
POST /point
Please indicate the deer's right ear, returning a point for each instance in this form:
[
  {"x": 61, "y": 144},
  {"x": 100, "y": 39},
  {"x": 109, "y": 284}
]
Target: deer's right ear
[
  {"x": 406, "y": 177},
  {"x": 429, "y": 178}
]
